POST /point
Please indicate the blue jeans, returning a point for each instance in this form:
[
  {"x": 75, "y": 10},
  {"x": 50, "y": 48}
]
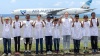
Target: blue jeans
[
  {"x": 76, "y": 45},
  {"x": 66, "y": 42},
  {"x": 48, "y": 41},
  {"x": 56, "y": 43},
  {"x": 41, "y": 45},
  {"x": 7, "y": 43}
]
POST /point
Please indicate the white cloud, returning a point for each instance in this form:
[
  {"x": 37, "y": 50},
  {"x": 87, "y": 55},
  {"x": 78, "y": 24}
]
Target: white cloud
[
  {"x": 13, "y": 1},
  {"x": 97, "y": 2},
  {"x": 71, "y": 3},
  {"x": 58, "y": 4},
  {"x": 81, "y": 3}
]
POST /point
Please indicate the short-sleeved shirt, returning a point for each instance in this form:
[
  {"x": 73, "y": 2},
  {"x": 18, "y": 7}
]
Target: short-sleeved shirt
[
  {"x": 66, "y": 26},
  {"x": 86, "y": 28},
  {"x": 38, "y": 29},
  {"x": 94, "y": 28},
  {"x": 77, "y": 31},
  {"x": 48, "y": 28},
  {"x": 27, "y": 29},
  {"x": 16, "y": 30},
  {"x": 56, "y": 31},
  {"x": 6, "y": 31}
]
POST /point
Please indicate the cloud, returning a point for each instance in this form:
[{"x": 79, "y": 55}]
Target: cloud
[
  {"x": 81, "y": 3},
  {"x": 97, "y": 2},
  {"x": 72, "y": 3},
  {"x": 13, "y": 1},
  {"x": 58, "y": 4}
]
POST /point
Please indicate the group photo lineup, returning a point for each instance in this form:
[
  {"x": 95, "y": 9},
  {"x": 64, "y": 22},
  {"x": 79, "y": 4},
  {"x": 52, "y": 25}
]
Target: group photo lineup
[{"x": 49, "y": 28}]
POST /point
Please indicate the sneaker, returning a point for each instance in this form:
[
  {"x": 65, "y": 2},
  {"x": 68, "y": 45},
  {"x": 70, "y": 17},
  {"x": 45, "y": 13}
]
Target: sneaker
[
  {"x": 29, "y": 52},
  {"x": 25, "y": 52},
  {"x": 68, "y": 52},
  {"x": 47, "y": 52},
  {"x": 50, "y": 52},
  {"x": 9, "y": 54},
  {"x": 87, "y": 51},
  {"x": 65, "y": 52},
  {"x": 84, "y": 51},
  {"x": 4, "y": 54},
  {"x": 93, "y": 51}
]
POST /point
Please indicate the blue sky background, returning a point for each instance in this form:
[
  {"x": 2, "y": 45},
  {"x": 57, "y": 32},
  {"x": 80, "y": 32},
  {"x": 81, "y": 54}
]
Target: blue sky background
[{"x": 6, "y": 6}]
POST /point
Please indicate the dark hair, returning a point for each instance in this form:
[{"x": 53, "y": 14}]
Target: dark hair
[
  {"x": 27, "y": 14},
  {"x": 85, "y": 16},
  {"x": 56, "y": 19},
  {"x": 92, "y": 13},
  {"x": 77, "y": 15},
  {"x": 39, "y": 15},
  {"x": 16, "y": 15}
]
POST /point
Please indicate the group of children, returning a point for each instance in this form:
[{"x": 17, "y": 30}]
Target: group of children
[{"x": 70, "y": 28}]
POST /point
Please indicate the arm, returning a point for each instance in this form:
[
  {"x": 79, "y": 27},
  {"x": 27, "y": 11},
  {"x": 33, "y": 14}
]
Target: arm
[
  {"x": 10, "y": 21},
  {"x": 2, "y": 20},
  {"x": 59, "y": 22},
  {"x": 81, "y": 24},
  {"x": 34, "y": 24},
  {"x": 20, "y": 24},
  {"x": 44, "y": 21},
  {"x": 91, "y": 24},
  {"x": 14, "y": 25},
  {"x": 42, "y": 24},
  {"x": 73, "y": 24},
  {"x": 97, "y": 22},
  {"x": 72, "y": 18},
  {"x": 60, "y": 19}
]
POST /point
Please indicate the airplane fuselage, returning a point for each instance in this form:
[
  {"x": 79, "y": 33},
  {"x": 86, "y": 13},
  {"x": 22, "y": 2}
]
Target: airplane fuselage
[{"x": 45, "y": 11}]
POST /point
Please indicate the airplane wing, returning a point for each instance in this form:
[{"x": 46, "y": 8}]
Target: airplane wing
[
  {"x": 55, "y": 11},
  {"x": 90, "y": 9}
]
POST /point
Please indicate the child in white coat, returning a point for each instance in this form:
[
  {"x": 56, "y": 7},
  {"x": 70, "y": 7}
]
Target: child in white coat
[{"x": 56, "y": 35}]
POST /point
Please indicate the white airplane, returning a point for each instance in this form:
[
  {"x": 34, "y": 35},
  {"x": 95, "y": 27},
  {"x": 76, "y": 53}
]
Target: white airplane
[{"x": 55, "y": 11}]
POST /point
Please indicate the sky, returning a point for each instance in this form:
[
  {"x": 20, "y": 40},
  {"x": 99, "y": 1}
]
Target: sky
[{"x": 7, "y": 6}]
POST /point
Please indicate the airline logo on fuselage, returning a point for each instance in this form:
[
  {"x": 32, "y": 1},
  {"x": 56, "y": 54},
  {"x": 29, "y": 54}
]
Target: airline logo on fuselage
[{"x": 23, "y": 12}]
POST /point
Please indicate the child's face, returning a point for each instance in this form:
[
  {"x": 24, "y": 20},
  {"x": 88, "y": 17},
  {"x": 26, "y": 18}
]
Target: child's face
[
  {"x": 66, "y": 15},
  {"x": 48, "y": 19},
  {"x": 55, "y": 22},
  {"x": 27, "y": 17},
  {"x": 93, "y": 15},
  {"x": 16, "y": 17},
  {"x": 85, "y": 18},
  {"x": 7, "y": 20},
  {"x": 38, "y": 16},
  {"x": 76, "y": 18}
]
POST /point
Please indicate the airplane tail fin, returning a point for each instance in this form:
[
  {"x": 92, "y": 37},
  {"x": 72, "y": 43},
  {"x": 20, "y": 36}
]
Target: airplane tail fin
[{"x": 87, "y": 4}]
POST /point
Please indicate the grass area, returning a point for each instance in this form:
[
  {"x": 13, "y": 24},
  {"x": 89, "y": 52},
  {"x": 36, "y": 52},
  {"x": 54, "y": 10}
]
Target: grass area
[{"x": 44, "y": 48}]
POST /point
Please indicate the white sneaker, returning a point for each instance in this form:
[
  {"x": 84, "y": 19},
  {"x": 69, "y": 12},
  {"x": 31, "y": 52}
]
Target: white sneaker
[
  {"x": 50, "y": 52},
  {"x": 4, "y": 54},
  {"x": 9, "y": 54},
  {"x": 47, "y": 52}
]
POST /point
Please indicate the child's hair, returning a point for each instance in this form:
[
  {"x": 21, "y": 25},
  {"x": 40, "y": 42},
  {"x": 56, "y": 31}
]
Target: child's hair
[
  {"x": 77, "y": 15},
  {"x": 85, "y": 16},
  {"x": 38, "y": 15},
  {"x": 56, "y": 19},
  {"x": 16, "y": 15},
  {"x": 92, "y": 13},
  {"x": 6, "y": 18}
]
